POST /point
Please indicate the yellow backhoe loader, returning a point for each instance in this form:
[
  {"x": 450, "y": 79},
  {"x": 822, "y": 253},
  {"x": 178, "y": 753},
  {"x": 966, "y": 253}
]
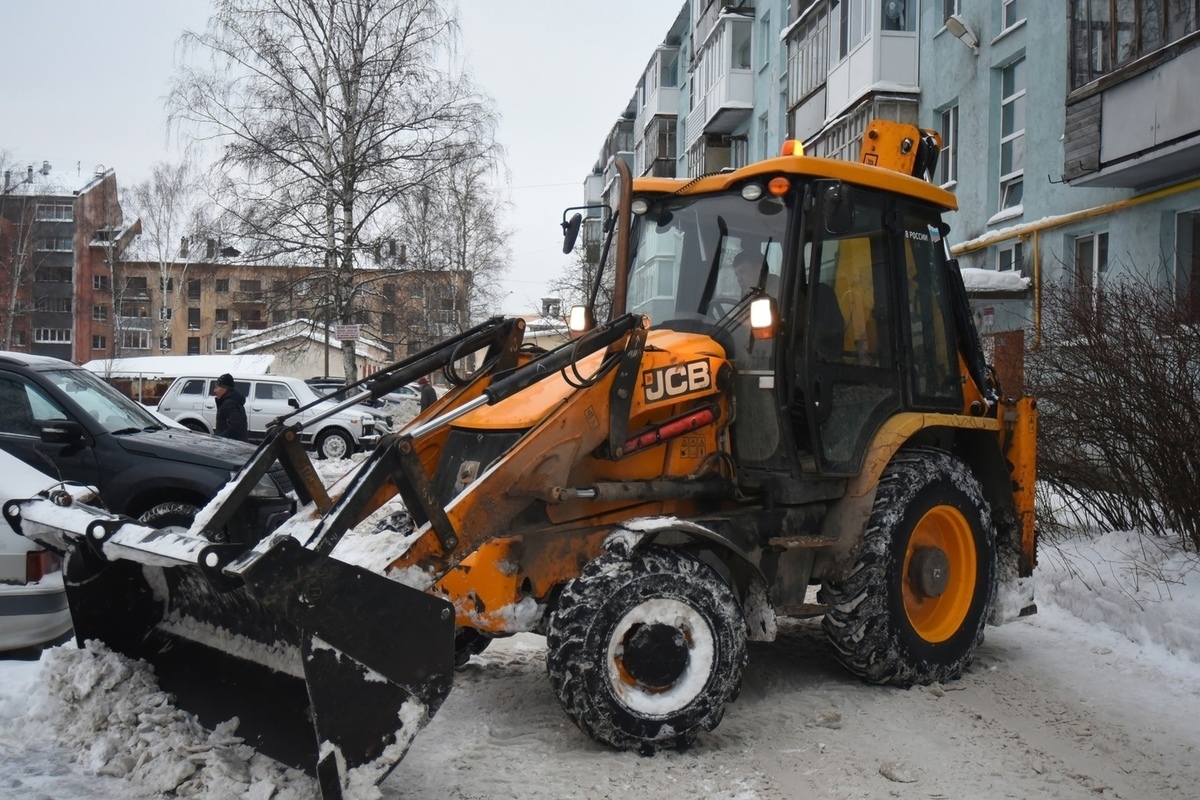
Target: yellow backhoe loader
[{"x": 789, "y": 392}]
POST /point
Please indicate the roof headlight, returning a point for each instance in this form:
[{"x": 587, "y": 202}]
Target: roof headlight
[{"x": 752, "y": 191}]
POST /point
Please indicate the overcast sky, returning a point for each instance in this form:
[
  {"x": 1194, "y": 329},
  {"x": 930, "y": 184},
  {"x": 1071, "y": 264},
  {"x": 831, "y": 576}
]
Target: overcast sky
[{"x": 85, "y": 82}]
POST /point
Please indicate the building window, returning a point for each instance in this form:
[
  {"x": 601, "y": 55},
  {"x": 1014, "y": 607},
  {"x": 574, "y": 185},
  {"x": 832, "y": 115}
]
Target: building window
[
  {"x": 222, "y": 285},
  {"x": 193, "y": 348},
  {"x": 99, "y": 342},
  {"x": 1010, "y": 256},
  {"x": 100, "y": 283},
  {"x": 193, "y": 289},
  {"x": 849, "y": 25},
  {"x": 808, "y": 56},
  {"x": 222, "y": 315},
  {"x": 948, "y": 160},
  {"x": 55, "y": 305},
  {"x": 389, "y": 291},
  {"x": 278, "y": 317},
  {"x": 166, "y": 284},
  {"x": 387, "y": 324},
  {"x": 949, "y": 8},
  {"x": 222, "y": 344},
  {"x": 165, "y": 313},
  {"x": 55, "y": 244},
  {"x": 136, "y": 285},
  {"x": 1012, "y": 134},
  {"x": 251, "y": 315},
  {"x": 135, "y": 340},
  {"x": 53, "y": 275},
  {"x": 250, "y": 286},
  {"x": 1011, "y": 13},
  {"x": 1106, "y": 36},
  {"x": 193, "y": 319},
  {"x": 18, "y": 338},
  {"x": 1187, "y": 263},
  {"x": 100, "y": 313},
  {"x": 164, "y": 343},
  {"x": 1091, "y": 263},
  {"x": 55, "y": 212},
  {"x": 52, "y": 335}
]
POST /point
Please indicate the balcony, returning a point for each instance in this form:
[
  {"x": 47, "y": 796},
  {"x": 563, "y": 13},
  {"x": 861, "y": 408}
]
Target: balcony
[
  {"x": 247, "y": 298},
  {"x": 722, "y": 78},
  {"x": 1135, "y": 129},
  {"x": 659, "y": 90}
]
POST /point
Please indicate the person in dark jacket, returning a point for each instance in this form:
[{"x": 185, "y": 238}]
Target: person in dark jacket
[
  {"x": 428, "y": 395},
  {"x": 231, "y": 410}
]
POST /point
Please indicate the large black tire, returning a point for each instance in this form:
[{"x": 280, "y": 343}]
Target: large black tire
[
  {"x": 170, "y": 516},
  {"x": 645, "y": 650},
  {"x": 914, "y": 607},
  {"x": 334, "y": 443}
]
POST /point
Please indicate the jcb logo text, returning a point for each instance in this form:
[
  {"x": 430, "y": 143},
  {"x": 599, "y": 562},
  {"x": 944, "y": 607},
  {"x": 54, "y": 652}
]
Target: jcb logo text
[{"x": 676, "y": 380}]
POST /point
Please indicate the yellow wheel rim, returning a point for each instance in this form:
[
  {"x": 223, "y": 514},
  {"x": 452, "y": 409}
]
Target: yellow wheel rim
[{"x": 943, "y": 531}]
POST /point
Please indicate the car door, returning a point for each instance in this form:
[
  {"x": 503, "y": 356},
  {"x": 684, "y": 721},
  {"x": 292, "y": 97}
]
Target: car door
[
  {"x": 270, "y": 400},
  {"x": 24, "y": 408}
]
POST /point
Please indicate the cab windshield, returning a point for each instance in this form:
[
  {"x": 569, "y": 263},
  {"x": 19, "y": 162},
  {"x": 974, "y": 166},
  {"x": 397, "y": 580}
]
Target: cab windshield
[{"x": 695, "y": 258}]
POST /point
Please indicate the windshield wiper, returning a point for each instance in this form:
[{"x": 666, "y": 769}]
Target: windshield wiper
[{"x": 122, "y": 431}]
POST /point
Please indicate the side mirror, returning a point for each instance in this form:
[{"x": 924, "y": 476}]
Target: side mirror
[
  {"x": 61, "y": 431},
  {"x": 764, "y": 317},
  {"x": 293, "y": 402},
  {"x": 837, "y": 208},
  {"x": 571, "y": 232}
]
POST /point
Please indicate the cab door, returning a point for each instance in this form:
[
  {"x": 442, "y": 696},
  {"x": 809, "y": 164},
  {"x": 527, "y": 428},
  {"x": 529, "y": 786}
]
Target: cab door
[{"x": 851, "y": 383}]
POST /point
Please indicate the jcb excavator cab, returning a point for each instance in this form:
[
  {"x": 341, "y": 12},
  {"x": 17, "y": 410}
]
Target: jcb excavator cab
[{"x": 789, "y": 392}]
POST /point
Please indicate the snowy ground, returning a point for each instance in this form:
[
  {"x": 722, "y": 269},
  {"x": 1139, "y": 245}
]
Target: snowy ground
[{"x": 1096, "y": 696}]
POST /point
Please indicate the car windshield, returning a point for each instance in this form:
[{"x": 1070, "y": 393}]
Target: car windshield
[
  {"x": 689, "y": 254},
  {"x": 113, "y": 410}
]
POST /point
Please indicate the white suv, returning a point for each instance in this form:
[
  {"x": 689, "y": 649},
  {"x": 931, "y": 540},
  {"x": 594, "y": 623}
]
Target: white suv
[{"x": 190, "y": 401}]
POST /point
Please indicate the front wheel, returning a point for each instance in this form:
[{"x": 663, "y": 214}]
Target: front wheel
[
  {"x": 334, "y": 443},
  {"x": 174, "y": 517},
  {"x": 913, "y": 608},
  {"x": 644, "y": 651}
]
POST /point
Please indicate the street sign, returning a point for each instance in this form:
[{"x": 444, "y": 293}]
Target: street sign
[{"x": 348, "y": 333}]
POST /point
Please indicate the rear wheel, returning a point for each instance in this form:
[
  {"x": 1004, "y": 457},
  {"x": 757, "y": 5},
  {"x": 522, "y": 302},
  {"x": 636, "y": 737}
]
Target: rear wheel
[
  {"x": 914, "y": 607},
  {"x": 645, "y": 650},
  {"x": 176, "y": 517},
  {"x": 334, "y": 443}
]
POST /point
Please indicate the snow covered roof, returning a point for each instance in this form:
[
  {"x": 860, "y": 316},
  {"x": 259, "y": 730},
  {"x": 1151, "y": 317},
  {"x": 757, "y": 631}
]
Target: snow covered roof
[
  {"x": 989, "y": 280},
  {"x": 174, "y": 366},
  {"x": 253, "y": 341}
]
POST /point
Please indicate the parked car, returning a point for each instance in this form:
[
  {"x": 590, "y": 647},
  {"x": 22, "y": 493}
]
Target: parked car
[
  {"x": 190, "y": 401},
  {"x": 33, "y": 604},
  {"x": 68, "y": 423}
]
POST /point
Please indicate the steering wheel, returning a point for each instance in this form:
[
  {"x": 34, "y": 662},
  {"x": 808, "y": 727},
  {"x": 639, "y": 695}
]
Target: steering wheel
[{"x": 721, "y": 305}]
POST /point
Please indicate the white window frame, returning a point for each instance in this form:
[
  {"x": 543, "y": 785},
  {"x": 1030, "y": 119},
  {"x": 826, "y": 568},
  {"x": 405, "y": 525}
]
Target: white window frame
[
  {"x": 1010, "y": 14},
  {"x": 136, "y": 339},
  {"x": 55, "y": 212},
  {"x": 948, "y": 159},
  {"x": 99, "y": 342},
  {"x": 1010, "y": 256},
  {"x": 100, "y": 313},
  {"x": 52, "y": 335},
  {"x": 1011, "y": 182},
  {"x": 1098, "y": 267}
]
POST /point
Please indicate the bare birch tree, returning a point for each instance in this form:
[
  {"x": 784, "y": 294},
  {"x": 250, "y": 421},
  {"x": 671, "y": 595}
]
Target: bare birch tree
[
  {"x": 167, "y": 204},
  {"x": 326, "y": 112},
  {"x": 16, "y": 247}
]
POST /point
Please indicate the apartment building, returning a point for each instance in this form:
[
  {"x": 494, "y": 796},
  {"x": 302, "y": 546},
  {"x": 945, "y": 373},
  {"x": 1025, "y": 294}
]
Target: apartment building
[
  {"x": 1070, "y": 136},
  {"x": 203, "y": 307},
  {"x": 61, "y": 232}
]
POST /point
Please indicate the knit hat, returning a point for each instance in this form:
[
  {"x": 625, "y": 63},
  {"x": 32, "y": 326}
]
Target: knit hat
[{"x": 225, "y": 380}]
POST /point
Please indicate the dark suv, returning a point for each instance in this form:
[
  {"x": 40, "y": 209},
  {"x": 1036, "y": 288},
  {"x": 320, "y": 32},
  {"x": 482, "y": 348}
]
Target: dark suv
[{"x": 68, "y": 423}]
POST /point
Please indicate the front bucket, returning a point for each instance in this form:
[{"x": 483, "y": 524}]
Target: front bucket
[{"x": 308, "y": 644}]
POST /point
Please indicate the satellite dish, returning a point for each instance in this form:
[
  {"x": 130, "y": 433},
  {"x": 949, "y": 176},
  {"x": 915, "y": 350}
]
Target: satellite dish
[{"x": 893, "y": 8}]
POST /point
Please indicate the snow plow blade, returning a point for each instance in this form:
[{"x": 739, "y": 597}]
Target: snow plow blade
[{"x": 292, "y": 642}]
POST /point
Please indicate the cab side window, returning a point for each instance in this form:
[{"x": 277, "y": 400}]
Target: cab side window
[{"x": 194, "y": 386}]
